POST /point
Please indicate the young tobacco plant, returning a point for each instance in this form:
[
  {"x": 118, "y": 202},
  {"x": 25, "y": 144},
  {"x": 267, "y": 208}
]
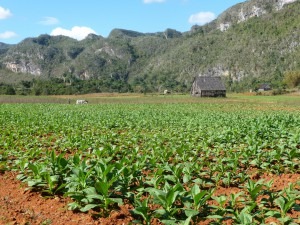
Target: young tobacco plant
[
  {"x": 228, "y": 179},
  {"x": 79, "y": 177},
  {"x": 235, "y": 200},
  {"x": 3, "y": 160},
  {"x": 198, "y": 201},
  {"x": 254, "y": 189},
  {"x": 284, "y": 204},
  {"x": 166, "y": 198},
  {"x": 245, "y": 216},
  {"x": 35, "y": 178},
  {"x": 100, "y": 196},
  {"x": 187, "y": 172},
  {"x": 99, "y": 189},
  {"x": 142, "y": 209},
  {"x": 157, "y": 179},
  {"x": 221, "y": 210},
  {"x": 58, "y": 170},
  {"x": 58, "y": 164},
  {"x": 242, "y": 177},
  {"x": 272, "y": 195},
  {"x": 53, "y": 184},
  {"x": 22, "y": 166},
  {"x": 176, "y": 171},
  {"x": 270, "y": 201}
]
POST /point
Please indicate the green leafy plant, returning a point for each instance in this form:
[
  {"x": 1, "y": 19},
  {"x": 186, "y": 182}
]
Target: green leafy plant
[
  {"x": 166, "y": 198},
  {"x": 200, "y": 198},
  {"x": 254, "y": 188},
  {"x": 285, "y": 205},
  {"x": 143, "y": 210},
  {"x": 100, "y": 192},
  {"x": 220, "y": 209}
]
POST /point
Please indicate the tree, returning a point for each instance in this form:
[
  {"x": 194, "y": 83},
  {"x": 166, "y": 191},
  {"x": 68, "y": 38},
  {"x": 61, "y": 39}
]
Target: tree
[
  {"x": 74, "y": 51},
  {"x": 10, "y": 90},
  {"x": 292, "y": 78}
]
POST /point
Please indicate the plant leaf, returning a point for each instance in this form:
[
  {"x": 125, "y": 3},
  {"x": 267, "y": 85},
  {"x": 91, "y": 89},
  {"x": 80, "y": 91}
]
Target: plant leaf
[{"x": 88, "y": 207}]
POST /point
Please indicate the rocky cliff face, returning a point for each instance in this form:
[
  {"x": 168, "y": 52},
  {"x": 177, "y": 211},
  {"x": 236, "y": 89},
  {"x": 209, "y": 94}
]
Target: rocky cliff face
[
  {"x": 281, "y": 3},
  {"x": 246, "y": 47},
  {"x": 246, "y": 14},
  {"x": 244, "y": 11},
  {"x": 23, "y": 67}
]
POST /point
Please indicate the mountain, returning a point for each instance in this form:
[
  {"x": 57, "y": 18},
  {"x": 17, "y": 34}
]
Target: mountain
[
  {"x": 254, "y": 41},
  {"x": 260, "y": 47},
  {"x": 3, "y": 48},
  {"x": 244, "y": 11}
]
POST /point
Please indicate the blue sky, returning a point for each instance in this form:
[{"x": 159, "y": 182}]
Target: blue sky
[{"x": 20, "y": 19}]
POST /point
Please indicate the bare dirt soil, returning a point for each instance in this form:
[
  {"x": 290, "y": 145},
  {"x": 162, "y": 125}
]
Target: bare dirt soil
[{"x": 20, "y": 206}]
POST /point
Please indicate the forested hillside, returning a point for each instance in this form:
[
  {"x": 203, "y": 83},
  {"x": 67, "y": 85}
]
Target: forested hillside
[{"x": 250, "y": 43}]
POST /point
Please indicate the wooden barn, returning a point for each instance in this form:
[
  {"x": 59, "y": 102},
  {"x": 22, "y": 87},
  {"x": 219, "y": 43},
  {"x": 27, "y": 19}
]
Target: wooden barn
[
  {"x": 204, "y": 86},
  {"x": 264, "y": 87}
]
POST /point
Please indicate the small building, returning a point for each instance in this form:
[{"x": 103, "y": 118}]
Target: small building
[
  {"x": 264, "y": 87},
  {"x": 204, "y": 86}
]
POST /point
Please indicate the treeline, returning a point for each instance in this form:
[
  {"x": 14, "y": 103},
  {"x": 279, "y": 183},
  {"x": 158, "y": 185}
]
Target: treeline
[
  {"x": 58, "y": 86},
  {"x": 145, "y": 84}
]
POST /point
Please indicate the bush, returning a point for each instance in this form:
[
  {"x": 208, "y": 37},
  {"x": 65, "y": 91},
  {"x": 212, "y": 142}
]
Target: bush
[
  {"x": 279, "y": 91},
  {"x": 292, "y": 78}
]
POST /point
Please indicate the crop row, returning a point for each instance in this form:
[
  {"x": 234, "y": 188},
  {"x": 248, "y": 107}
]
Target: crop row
[{"x": 167, "y": 161}]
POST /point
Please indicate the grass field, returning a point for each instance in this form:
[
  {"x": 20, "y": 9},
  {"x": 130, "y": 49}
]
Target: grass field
[
  {"x": 170, "y": 159},
  {"x": 102, "y": 98}
]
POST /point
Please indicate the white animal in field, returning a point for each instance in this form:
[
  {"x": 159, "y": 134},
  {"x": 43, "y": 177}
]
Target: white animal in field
[
  {"x": 79, "y": 102},
  {"x": 166, "y": 92}
]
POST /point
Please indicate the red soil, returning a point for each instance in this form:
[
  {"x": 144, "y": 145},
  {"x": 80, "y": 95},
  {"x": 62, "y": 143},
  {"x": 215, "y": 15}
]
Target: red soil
[{"x": 18, "y": 206}]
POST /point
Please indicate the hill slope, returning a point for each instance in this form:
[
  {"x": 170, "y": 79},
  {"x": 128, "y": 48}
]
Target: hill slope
[{"x": 252, "y": 41}]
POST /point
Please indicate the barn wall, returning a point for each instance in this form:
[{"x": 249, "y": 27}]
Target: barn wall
[
  {"x": 215, "y": 93},
  {"x": 197, "y": 92}
]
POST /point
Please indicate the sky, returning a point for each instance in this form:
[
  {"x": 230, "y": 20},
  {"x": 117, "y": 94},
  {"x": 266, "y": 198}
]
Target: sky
[{"x": 20, "y": 19}]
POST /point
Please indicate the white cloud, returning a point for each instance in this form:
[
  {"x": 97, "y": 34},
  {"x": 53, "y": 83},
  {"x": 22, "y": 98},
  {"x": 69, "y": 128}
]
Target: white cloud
[
  {"x": 4, "y": 13},
  {"x": 49, "y": 21},
  {"x": 7, "y": 35},
  {"x": 153, "y": 1},
  {"x": 76, "y": 32},
  {"x": 202, "y": 18}
]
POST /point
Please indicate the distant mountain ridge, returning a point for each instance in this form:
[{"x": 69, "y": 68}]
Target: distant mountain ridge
[{"x": 252, "y": 40}]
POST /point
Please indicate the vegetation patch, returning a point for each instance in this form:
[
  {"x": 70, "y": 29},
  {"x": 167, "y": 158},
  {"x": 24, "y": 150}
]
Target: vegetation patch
[{"x": 210, "y": 161}]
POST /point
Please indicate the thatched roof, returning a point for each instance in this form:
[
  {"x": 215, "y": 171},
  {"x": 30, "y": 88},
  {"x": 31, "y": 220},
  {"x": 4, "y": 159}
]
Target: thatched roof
[{"x": 209, "y": 83}]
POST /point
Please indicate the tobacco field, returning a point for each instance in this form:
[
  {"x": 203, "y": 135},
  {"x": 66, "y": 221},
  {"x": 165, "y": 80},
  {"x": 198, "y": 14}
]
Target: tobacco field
[{"x": 170, "y": 163}]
